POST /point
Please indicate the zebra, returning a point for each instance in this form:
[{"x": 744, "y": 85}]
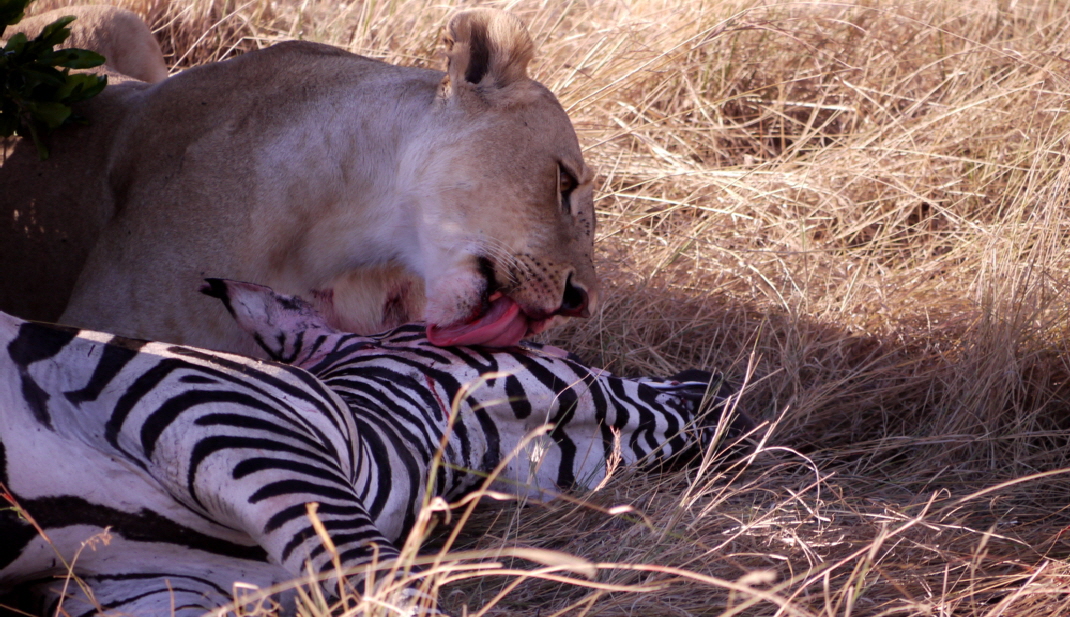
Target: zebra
[{"x": 200, "y": 465}]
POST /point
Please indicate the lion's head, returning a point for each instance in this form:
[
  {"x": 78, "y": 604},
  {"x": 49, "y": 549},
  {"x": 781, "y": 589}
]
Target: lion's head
[{"x": 506, "y": 198}]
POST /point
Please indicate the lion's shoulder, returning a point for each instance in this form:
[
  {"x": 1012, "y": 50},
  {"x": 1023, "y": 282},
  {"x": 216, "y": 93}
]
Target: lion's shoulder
[
  {"x": 295, "y": 56},
  {"x": 290, "y": 70},
  {"x": 305, "y": 48}
]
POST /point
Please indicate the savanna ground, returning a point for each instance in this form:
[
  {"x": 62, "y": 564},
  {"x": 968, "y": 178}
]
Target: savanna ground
[{"x": 861, "y": 211}]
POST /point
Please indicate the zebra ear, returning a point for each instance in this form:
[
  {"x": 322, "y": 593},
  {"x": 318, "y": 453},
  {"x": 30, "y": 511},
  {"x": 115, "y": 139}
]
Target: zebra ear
[{"x": 278, "y": 323}]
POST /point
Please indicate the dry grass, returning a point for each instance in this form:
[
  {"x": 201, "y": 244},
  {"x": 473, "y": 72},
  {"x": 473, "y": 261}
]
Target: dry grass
[{"x": 868, "y": 202}]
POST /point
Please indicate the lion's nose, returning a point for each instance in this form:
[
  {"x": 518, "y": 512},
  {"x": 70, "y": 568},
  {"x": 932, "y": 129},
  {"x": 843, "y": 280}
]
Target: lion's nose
[{"x": 574, "y": 301}]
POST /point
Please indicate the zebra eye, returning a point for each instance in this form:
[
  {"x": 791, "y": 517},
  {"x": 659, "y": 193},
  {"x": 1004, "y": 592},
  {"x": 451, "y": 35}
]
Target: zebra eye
[{"x": 566, "y": 183}]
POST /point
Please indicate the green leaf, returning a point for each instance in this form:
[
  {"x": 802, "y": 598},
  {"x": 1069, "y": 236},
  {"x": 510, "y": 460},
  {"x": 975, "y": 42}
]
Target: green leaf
[
  {"x": 56, "y": 32},
  {"x": 16, "y": 43},
  {"x": 41, "y": 75},
  {"x": 42, "y": 151},
  {"x": 36, "y": 87},
  {"x": 76, "y": 58},
  {"x": 11, "y": 12},
  {"x": 95, "y": 84},
  {"x": 50, "y": 113},
  {"x": 80, "y": 87}
]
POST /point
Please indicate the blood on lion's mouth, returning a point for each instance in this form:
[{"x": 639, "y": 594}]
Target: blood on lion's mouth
[{"x": 501, "y": 325}]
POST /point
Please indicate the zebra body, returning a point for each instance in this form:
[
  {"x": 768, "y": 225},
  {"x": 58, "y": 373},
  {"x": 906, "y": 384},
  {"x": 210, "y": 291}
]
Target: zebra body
[
  {"x": 157, "y": 442},
  {"x": 488, "y": 403},
  {"x": 202, "y": 463}
]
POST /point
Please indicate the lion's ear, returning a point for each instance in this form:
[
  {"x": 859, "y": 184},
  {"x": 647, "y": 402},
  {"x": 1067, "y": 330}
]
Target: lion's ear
[{"x": 487, "y": 47}]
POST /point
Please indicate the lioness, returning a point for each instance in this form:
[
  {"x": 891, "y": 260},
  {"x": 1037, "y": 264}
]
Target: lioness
[{"x": 389, "y": 193}]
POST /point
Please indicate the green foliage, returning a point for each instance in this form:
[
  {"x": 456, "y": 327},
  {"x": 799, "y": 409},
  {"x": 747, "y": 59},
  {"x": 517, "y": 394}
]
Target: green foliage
[{"x": 36, "y": 86}]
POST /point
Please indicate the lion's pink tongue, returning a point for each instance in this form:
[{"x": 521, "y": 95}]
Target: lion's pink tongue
[{"x": 501, "y": 326}]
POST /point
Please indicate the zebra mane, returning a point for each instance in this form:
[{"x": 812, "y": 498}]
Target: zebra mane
[{"x": 288, "y": 328}]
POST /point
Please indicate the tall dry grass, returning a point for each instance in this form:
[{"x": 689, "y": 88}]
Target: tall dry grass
[{"x": 858, "y": 208}]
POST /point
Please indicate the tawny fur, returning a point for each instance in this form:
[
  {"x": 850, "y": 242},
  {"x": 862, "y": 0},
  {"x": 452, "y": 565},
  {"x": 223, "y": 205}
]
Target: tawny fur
[{"x": 310, "y": 170}]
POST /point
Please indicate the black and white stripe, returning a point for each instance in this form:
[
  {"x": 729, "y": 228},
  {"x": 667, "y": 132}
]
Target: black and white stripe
[{"x": 202, "y": 463}]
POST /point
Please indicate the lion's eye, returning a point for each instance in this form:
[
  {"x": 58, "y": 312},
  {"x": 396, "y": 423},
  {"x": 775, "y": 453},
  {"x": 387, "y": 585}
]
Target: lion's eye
[{"x": 566, "y": 183}]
